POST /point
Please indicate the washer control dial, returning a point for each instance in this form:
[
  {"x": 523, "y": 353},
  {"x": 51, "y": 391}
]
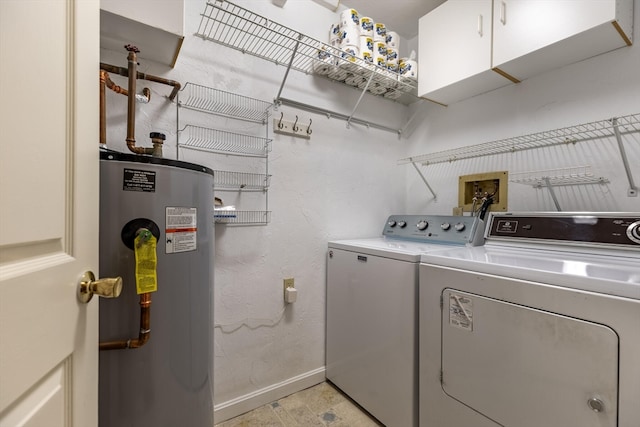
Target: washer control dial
[
  {"x": 402, "y": 224},
  {"x": 422, "y": 225},
  {"x": 445, "y": 226},
  {"x": 633, "y": 232},
  {"x": 459, "y": 226},
  {"x": 392, "y": 223}
]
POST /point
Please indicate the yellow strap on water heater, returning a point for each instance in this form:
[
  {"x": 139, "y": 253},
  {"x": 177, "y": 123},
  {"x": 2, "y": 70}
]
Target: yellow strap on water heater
[{"x": 146, "y": 262}]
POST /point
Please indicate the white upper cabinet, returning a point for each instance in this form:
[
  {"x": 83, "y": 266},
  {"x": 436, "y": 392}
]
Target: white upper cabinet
[
  {"x": 156, "y": 27},
  {"x": 455, "y": 51},
  {"x": 532, "y": 36},
  {"x": 468, "y": 47}
]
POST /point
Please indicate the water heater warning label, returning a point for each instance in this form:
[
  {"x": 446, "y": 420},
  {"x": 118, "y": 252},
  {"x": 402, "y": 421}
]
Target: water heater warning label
[
  {"x": 139, "y": 180},
  {"x": 181, "y": 230}
]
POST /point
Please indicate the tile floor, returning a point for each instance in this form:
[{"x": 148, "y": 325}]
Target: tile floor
[{"x": 321, "y": 405}]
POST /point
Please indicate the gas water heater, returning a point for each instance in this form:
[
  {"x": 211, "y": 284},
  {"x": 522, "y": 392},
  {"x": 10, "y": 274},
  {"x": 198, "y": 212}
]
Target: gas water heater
[{"x": 156, "y": 230}]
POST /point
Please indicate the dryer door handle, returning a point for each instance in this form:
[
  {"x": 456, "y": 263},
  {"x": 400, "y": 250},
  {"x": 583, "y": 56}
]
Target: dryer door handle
[{"x": 596, "y": 405}]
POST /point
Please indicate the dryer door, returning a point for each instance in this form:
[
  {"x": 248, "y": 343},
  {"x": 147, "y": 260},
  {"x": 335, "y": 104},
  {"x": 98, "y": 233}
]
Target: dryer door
[{"x": 523, "y": 367}]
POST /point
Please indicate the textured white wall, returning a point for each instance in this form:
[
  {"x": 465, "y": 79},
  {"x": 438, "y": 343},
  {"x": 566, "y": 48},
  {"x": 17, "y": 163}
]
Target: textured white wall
[
  {"x": 342, "y": 183},
  {"x": 595, "y": 89}
]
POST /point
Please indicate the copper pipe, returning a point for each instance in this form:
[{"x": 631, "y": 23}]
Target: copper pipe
[
  {"x": 132, "y": 74},
  {"x": 143, "y": 76},
  {"x": 131, "y": 103},
  {"x": 146, "y": 92},
  {"x": 111, "y": 85},
  {"x": 105, "y": 81},
  {"x": 145, "y": 328}
]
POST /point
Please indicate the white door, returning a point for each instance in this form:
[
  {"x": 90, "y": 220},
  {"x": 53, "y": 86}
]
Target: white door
[{"x": 49, "y": 64}]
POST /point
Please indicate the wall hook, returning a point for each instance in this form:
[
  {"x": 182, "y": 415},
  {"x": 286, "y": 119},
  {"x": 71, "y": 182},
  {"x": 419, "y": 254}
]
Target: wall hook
[
  {"x": 295, "y": 125},
  {"x": 309, "y": 127},
  {"x": 280, "y": 124}
]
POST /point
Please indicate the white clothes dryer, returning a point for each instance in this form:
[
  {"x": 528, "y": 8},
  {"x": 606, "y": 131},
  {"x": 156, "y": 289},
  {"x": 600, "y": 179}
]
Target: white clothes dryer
[
  {"x": 539, "y": 327},
  {"x": 371, "y": 347}
]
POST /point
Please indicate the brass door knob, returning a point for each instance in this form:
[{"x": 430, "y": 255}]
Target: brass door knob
[{"x": 106, "y": 288}]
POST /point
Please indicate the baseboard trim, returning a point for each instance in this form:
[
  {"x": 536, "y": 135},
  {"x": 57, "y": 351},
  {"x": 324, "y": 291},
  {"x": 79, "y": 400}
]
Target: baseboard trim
[{"x": 240, "y": 405}]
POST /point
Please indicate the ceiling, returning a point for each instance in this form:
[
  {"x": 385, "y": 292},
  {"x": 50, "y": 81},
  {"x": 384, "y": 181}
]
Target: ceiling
[{"x": 400, "y": 16}]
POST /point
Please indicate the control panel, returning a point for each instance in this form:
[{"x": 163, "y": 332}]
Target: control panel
[
  {"x": 436, "y": 229},
  {"x": 603, "y": 229}
]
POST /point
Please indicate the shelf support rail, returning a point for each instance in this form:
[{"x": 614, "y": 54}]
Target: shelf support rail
[
  {"x": 424, "y": 180},
  {"x": 633, "y": 190},
  {"x": 552, "y": 192},
  {"x": 355, "y": 108},
  {"x": 286, "y": 73},
  {"x": 333, "y": 114}
]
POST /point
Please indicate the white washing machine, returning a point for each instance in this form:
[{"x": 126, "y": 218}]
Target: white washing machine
[
  {"x": 539, "y": 327},
  {"x": 371, "y": 348}
]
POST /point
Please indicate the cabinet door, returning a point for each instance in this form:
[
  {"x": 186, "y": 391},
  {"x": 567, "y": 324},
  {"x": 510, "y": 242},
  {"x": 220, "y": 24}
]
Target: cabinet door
[
  {"x": 532, "y": 36},
  {"x": 455, "y": 51}
]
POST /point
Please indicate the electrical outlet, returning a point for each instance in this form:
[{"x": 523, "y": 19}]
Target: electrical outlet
[
  {"x": 296, "y": 129},
  {"x": 287, "y": 283},
  {"x": 478, "y": 185}
]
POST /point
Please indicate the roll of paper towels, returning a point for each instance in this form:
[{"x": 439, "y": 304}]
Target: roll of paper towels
[
  {"x": 349, "y": 55},
  {"x": 324, "y": 62},
  {"x": 338, "y": 74},
  {"x": 408, "y": 68},
  {"x": 393, "y": 40},
  {"x": 380, "y": 32},
  {"x": 349, "y": 36},
  {"x": 366, "y": 49},
  {"x": 354, "y": 79},
  {"x": 334, "y": 35},
  {"x": 349, "y": 18},
  {"x": 377, "y": 88},
  {"x": 380, "y": 53},
  {"x": 392, "y": 59},
  {"x": 392, "y": 54},
  {"x": 366, "y": 26}
]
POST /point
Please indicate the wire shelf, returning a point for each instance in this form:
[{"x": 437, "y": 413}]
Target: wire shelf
[
  {"x": 240, "y": 180},
  {"x": 227, "y": 104},
  {"x": 240, "y": 29},
  {"x": 218, "y": 141},
  {"x": 242, "y": 217},
  {"x": 568, "y": 135},
  {"x": 577, "y": 175}
]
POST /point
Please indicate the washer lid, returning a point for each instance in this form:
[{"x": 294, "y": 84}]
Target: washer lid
[
  {"x": 615, "y": 274},
  {"x": 399, "y": 249}
]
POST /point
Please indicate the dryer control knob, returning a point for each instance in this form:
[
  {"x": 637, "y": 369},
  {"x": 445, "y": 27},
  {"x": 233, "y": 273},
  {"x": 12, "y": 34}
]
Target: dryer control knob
[
  {"x": 402, "y": 224},
  {"x": 633, "y": 232},
  {"x": 422, "y": 225},
  {"x": 445, "y": 226},
  {"x": 459, "y": 226}
]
